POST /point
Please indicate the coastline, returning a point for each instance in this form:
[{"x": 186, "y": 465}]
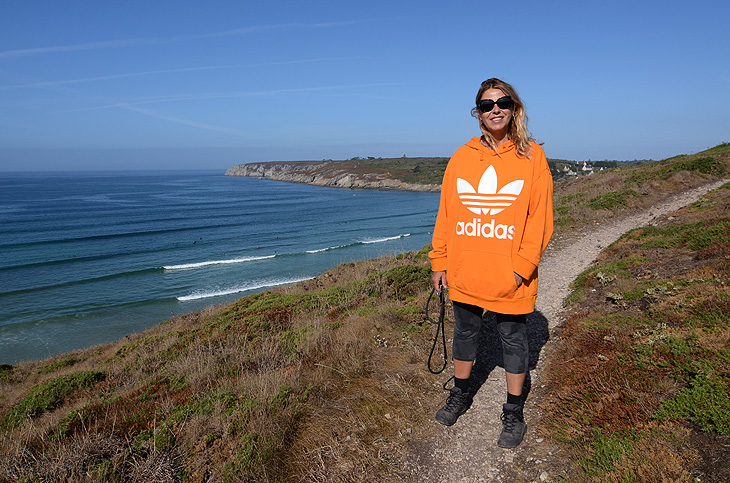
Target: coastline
[
  {"x": 335, "y": 174},
  {"x": 420, "y": 174}
]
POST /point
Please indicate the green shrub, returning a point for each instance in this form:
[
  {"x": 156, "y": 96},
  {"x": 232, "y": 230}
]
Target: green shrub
[
  {"x": 706, "y": 165},
  {"x": 254, "y": 452},
  {"x": 291, "y": 340},
  {"x": 695, "y": 236},
  {"x": 661, "y": 170},
  {"x": 59, "y": 364},
  {"x": 408, "y": 279},
  {"x": 48, "y": 395},
  {"x": 710, "y": 313},
  {"x": 612, "y": 200},
  {"x": 706, "y": 402},
  {"x": 608, "y": 452},
  {"x": 6, "y": 370},
  {"x": 603, "y": 273}
]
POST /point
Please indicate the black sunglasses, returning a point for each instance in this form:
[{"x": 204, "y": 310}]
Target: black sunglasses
[{"x": 486, "y": 105}]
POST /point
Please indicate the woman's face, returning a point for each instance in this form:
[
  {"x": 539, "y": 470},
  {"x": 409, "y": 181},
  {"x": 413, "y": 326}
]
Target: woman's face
[{"x": 497, "y": 120}]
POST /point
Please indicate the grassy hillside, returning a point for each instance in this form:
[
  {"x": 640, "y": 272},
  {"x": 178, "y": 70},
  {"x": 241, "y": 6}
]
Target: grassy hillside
[
  {"x": 431, "y": 170},
  {"x": 410, "y": 170},
  {"x": 615, "y": 192},
  {"x": 326, "y": 380},
  {"x": 647, "y": 389},
  {"x": 264, "y": 389}
]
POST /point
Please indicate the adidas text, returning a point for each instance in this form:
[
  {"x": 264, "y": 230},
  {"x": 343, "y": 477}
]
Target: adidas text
[{"x": 486, "y": 230}]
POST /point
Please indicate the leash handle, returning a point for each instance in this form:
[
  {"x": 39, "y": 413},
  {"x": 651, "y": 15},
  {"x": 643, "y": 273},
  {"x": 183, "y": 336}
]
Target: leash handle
[{"x": 439, "y": 327}]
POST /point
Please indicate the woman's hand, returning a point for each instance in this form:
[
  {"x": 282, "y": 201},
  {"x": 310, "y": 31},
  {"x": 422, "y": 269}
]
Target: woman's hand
[
  {"x": 438, "y": 279},
  {"x": 518, "y": 279}
]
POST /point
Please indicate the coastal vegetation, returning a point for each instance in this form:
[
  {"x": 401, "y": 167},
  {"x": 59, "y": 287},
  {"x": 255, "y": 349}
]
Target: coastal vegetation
[
  {"x": 326, "y": 380},
  {"x": 405, "y": 173},
  {"x": 646, "y": 395},
  {"x": 431, "y": 170}
]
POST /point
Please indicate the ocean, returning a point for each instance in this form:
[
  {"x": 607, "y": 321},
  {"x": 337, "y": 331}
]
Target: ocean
[{"x": 89, "y": 257}]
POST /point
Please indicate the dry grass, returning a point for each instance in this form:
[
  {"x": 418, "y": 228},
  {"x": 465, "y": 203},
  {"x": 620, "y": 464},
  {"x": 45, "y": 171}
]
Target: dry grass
[
  {"x": 648, "y": 341},
  {"x": 326, "y": 380},
  {"x": 583, "y": 202},
  {"x": 293, "y": 384}
]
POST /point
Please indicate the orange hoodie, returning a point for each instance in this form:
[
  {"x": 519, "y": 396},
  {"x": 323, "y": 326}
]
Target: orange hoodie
[{"x": 495, "y": 219}]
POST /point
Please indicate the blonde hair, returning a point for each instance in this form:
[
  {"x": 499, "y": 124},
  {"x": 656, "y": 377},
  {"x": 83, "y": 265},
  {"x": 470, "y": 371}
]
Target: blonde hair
[{"x": 517, "y": 131}]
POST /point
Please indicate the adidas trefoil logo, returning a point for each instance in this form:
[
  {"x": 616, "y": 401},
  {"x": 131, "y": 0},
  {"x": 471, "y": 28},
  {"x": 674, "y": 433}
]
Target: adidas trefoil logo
[{"x": 486, "y": 199}]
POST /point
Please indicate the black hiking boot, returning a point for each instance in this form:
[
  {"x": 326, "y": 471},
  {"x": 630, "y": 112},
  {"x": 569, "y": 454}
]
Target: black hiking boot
[
  {"x": 456, "y": 404},
  {"x": 513, "y": 426}
]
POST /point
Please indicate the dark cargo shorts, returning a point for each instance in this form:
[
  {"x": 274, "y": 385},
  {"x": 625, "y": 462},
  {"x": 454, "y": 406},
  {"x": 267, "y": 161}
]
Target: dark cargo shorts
[{"x": 512, "y": 331}]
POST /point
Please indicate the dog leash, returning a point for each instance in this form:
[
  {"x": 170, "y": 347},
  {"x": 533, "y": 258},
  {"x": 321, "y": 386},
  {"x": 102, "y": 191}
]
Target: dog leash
[{"x": 439, "y": 327}]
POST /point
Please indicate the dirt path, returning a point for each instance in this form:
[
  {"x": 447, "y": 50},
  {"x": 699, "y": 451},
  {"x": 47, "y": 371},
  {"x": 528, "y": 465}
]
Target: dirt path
[{"x": 467, "y": 451}]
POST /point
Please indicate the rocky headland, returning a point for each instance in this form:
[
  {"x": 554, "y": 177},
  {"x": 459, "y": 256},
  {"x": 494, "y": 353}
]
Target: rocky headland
[
  {"x": 404, "y": 173},
  {"x": 338, "y": 174}
]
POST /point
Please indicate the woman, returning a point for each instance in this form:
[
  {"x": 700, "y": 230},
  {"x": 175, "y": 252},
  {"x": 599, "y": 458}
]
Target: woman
[{"x": 494, "y": 222}]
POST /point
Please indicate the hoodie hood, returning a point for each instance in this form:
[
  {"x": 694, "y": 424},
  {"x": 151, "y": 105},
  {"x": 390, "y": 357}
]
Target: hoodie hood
[{"x": 476, "y": 143}]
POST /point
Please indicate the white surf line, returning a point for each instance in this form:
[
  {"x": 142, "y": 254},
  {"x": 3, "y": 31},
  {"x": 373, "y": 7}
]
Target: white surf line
[
  {"x": 384, "y": 239},
  {"x": 218, "y": 293},
  {"x": 188, "y": 266}
]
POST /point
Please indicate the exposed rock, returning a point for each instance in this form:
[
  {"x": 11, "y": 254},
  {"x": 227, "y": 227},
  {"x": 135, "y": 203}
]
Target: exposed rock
[{"x": 328, "y": 173}]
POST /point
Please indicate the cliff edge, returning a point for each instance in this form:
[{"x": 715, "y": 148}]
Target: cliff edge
[{"x": 338, "y": 174}]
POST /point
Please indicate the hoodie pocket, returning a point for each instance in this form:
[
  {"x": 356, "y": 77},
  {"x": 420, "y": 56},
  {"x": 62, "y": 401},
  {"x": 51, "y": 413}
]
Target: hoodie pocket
[{"x": 486, "y": 274}]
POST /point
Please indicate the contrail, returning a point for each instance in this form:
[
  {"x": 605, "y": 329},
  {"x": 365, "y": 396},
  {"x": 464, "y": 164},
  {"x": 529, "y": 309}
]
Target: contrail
[
  {"x": 231, "y": 95},
  {"x": 115, "y": 44},
  {"x": 155, "y": 115},
  {"x": 172, "y": 71}
]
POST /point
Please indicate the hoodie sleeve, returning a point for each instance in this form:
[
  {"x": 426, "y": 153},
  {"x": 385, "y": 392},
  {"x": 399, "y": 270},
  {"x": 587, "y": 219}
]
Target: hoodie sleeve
[
  {"x": 438, "y": 255},
  {"x": 539, "y": 222}
]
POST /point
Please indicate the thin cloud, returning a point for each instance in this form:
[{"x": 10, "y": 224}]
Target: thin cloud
[
  {"x": 172, "y": 71},
  {"x": 109, "y": 44},
  {"x": 133, "y": 106},
  {"x": 177, "y": 120},
  {"x": 231, "y": 95},
  {"x": 115, "y": 44}
]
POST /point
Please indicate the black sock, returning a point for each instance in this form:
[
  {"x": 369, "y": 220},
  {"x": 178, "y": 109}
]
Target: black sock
[
  {"x": 512, "y": 399},
  {"x": 462, "y": 384}
]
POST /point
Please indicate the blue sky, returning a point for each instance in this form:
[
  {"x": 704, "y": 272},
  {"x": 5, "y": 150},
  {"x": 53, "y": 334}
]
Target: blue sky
[{"x": 162, "y": 84}]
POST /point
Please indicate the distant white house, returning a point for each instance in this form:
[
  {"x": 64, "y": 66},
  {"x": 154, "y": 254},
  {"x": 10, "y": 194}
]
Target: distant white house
[{"x": 569, "y": 172}]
